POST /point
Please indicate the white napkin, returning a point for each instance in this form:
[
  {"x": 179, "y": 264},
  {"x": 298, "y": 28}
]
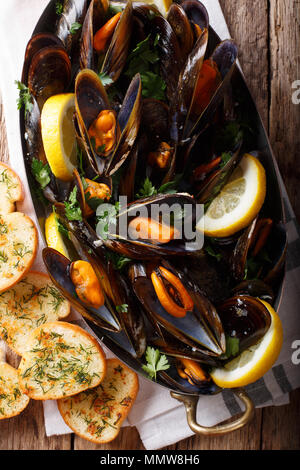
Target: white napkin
[{"x": 160, "y": 419}]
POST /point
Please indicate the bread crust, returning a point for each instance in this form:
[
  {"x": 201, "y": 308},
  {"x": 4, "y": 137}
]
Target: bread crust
[
  {"x": 27, "y": 361},
  {"x": 87, "y": 405},
  {"x": 29, "y": 225},
  {"x": 21, "y": 311},
  {"x": 11, "y": 388},
  {"x": 10, "y": 204}
]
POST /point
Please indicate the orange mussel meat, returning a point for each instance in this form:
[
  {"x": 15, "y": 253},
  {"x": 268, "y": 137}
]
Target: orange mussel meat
[
  {"x": 102, "y": 132},
  {"x": 172, "y": 294},
  {"x": 86, "y": 284}
]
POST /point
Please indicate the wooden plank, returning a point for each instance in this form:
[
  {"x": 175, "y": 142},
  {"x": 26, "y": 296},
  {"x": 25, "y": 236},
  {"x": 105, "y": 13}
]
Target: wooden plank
[
  {"x": 284, "y": 115},
  {"x": 281, "y": 426},
  {"x": 248, "y": 25}
]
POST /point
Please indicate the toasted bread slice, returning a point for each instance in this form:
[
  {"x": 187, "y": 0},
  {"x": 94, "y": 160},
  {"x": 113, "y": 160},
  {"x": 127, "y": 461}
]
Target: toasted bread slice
[
  {"x": 11, "y": 189},
  {"x": 97, "y": 414},
  {"x": 61, "y": 360},
  {"x": 12, "y": 399},
  {"x": 29, "y": 304},
  {"x": 18, "y": 247}
]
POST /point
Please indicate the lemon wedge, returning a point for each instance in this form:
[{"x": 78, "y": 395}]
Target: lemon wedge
[
  {"x": 239, "y": 201},
  {"x": 58, "y": 133},
  {"x": 53, "y": 236},
  {"x": 253, "y": 363},
  {"x": 162, "y": 5}
]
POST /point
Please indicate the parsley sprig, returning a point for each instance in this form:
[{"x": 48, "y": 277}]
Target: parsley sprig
[
  {"x": 148, "y": 189},
  {"x": 155, "y": 362},
  {"x": 75, "y": 27},
  {"x": 41, "y": 172},
  {"x": 72, "y": 208},
  {"x": 25, "y": 98}
]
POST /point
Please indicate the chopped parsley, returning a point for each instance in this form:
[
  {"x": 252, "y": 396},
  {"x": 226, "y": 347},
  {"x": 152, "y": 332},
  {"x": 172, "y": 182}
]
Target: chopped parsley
[{"x": 144, "y": 59}]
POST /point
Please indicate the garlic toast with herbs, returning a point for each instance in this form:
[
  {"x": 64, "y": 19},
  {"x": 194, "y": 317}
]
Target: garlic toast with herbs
[
  {"x": 61, "y": 360},
  {"x": 11, "y": 190},
  {"x": 12, "y": 399},
  {"x": 18, "y": 247},
  {"x": 97, "y": 414},
  {"x": 28, "y": 305}
]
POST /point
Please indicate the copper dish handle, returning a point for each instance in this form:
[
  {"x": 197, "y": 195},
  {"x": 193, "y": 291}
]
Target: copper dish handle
[{"x": 190, "y": 403}]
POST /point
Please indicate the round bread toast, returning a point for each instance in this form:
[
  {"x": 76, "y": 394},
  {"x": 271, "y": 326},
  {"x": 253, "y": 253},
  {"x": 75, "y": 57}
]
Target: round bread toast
[
  {"x": 18, "y": 247},
  {"x": 97, "y": 414},
  {"x": 12, "y": 399},
  {"x": 61, "y": 360},
  {"x": 11, "y": 189},
  {"x": 27, "y": 305}
]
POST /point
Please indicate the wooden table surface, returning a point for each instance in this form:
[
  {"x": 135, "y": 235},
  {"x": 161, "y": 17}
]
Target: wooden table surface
[{"x": 268, "y": 35}]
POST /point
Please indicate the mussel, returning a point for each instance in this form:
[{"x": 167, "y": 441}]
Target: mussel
[
  {"x": 176, "y": 304},
  {"x": 108, "y": 138},
  {"x": 154, "y": 226}
]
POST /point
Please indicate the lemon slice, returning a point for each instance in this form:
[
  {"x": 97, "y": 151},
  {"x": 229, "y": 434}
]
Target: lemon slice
[
  {"x": 54, "y": 238},
  {"x": 239, "y": 201},
  {"x": 162, "y": 5},
  {"x": 59, "y": 136},
  {"x": 253, "y": 363}
]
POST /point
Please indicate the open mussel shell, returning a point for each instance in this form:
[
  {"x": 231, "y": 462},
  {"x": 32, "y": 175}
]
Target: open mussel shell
[
  {"x": 119, "y": 300},
  {"x": 117, "y": 52},
  {"x": 196, "y": 13},
  {"x": 172, "y": 346},
  {"x": 213, "y": 186},
  {"x": 58, "y": 267},
  {"x": 73, "y": 11},
  {"x": 171, "y": 59},
  {"x": 270, "y": 263},
  {"x": 93, "y": 21},
  {"x": 245, "y": 318},
  {"x": 199, "y": 328},
  {"x": 49, "y": 73},
  {"x": 37, "y": 42},
  {"x": 129, "y": 118},
  {"x": 168, "y": 207},
  {"x": 90, "y": 100},
  {"x": 174, "y": 381},
  {"x": 240, "y": 252},
  {"x": 182, "y": 28},
  {"x": 224, "y": 56},
  {"x": 181, "y": 101}
]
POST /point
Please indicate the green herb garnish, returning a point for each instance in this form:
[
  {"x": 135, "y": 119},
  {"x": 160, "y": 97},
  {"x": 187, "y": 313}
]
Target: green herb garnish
[
  {"x": 232, "y": 347},
  {"x": 105, "y": 79},
  {"x": 122, "y": 308},
  {"x": 144, "y": 59},
  {"x": 58, "y": 8},
  {"x": 41, "y": 172},
  {"x": 146, "y": 190},
  {"x": 25, "y": 98},
  {"x": 155, "y": 362},
  {"x": 72, "y": 208},
  {"x": 75, "y": 27}
]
